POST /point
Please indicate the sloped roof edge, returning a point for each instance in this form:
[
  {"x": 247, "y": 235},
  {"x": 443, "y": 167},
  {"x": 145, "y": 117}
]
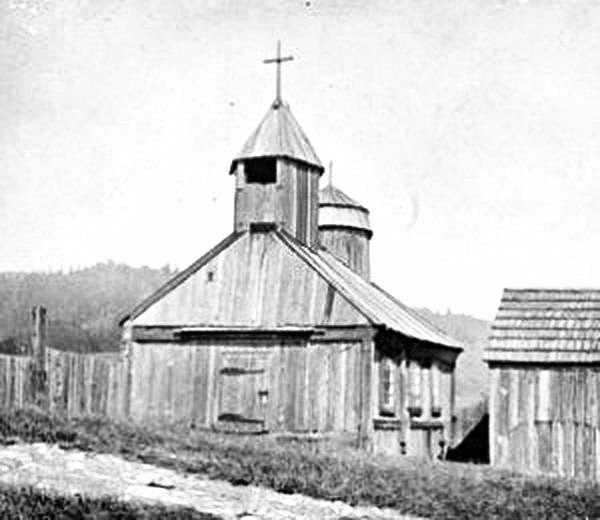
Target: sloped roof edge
[
  {"x": 414, "y": 326},
  {"x": 179, "y": 278}
]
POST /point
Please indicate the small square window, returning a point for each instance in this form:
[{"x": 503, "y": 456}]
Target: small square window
[{"x": 261, "y": 171}]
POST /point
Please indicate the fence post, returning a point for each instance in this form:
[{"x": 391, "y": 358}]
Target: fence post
[{"x": 38, "y": 351}]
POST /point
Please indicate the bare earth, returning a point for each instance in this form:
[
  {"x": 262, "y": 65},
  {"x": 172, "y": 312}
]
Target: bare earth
[{"x": 65, "y": 471}]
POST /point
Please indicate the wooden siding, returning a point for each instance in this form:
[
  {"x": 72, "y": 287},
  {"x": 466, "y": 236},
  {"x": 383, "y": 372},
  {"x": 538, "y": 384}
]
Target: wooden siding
[
  {"x": 426, "y": 387},
  {"x": 15, "y": 381},
  {"x": 307, "y": 387},
  {"x": 257, "y": 281},
  {"x": 291, "y": 202},
  {"x": 350, "y": 246},
  {"x": 546, "y": 420},
  {"x": 81, "y": 384}
]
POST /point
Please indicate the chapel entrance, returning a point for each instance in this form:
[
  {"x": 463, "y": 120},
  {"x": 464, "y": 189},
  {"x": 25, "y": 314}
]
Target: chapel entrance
[{"x": 243, "y": 392}]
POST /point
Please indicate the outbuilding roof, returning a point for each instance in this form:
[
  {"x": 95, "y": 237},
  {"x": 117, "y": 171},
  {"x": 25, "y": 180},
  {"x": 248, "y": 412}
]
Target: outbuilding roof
[
  {"x": 546, "y": 326},
  {"x": 279, "y": 135}
]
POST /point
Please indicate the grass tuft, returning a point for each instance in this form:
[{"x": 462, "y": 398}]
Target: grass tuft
[{"x": 29, "y": 503}]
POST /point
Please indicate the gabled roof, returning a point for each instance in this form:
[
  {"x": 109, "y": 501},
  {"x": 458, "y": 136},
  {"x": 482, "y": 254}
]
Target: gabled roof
[
  {"x": 546, "y": 326},
  {"x": 279, "y": 135},
  {"x": 358, "y": 300},
  {"x": 336, "y": 209}
]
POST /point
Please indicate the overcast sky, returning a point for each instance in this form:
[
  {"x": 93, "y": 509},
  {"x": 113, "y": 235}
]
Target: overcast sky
[{"x": 470, "y": 129}]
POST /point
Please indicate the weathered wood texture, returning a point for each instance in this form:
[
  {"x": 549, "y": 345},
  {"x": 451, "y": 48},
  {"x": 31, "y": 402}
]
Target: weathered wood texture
[
  {"x": 258, "y": 282},
  {"x": 16, "y": 389},
  {"x": 80, "y": 384},
  {"x": 546, "y": 325},
  {"x": 546, "y": 419},
  {"x": 291, "y": 202},
  {"x": 350, "y": 246},
  {"x": 420, "y": 421},
  {"x": 288, "y": 384}
]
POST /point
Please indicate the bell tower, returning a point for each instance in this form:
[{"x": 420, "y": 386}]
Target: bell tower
[{"x": 277, "y": 173}]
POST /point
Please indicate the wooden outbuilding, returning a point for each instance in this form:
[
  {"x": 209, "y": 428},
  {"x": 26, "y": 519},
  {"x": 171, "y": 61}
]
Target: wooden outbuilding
[
  {"x": 279, "y": 329},
  {"x": 544, "y": 357}
]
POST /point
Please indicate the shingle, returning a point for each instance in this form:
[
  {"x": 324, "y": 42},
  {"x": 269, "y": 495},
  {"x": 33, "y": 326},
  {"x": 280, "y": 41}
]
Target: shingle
[{"x": 550, "y": 324}]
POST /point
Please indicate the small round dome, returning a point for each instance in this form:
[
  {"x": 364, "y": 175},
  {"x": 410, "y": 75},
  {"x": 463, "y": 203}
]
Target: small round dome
[{"x": 337, "y": 210}]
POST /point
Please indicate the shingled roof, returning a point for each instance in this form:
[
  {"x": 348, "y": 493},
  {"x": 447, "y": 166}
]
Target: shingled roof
[
  {"x": 279, "y": 135},
  {"x": 546, "y": 326}
]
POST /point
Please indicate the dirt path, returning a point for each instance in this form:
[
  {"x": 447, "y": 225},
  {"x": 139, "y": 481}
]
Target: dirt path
[{"x": 49, "y": 467}]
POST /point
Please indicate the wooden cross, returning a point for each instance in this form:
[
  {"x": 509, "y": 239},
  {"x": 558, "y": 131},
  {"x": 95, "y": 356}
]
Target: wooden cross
[{"x": 278, "y": 60}]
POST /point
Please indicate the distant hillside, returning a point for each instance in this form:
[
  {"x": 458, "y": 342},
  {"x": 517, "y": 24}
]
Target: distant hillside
[
  {"x": 83, "y": 305},
  {"x": 471, "y": 371}
]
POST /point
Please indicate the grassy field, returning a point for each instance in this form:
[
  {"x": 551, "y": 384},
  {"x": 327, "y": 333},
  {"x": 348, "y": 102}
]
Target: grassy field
[
  {"x": 320, "y": 470},
  {"x": 29, "y": 504}
]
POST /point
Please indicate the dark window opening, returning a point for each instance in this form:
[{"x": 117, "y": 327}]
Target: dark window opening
[
  {"x": 261, "y": 171},
  {"x": 210, "y": 276},
  {"x": 387, "y": 382}
]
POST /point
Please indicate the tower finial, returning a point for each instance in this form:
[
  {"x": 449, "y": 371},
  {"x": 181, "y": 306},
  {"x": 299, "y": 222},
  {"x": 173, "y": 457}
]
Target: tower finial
[
  {"x": 278, "y": 60},
  {"x": 330, "y": 173}
]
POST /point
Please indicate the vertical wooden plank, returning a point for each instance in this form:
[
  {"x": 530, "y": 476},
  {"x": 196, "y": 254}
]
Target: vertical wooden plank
[
  {"x": 558, "y": 447},
  {"x": 333, "y": 404},
  {"x": 493, "y": 411},
  {"x": 341, "y": 390},
  {"x": 597, "y": 452},
  {"x": 425, "y": 390},
  {"x": 532, "y": 431},
  {"x": 323, "y": 359},
  {"x": 351, "y": 385},
  {"x": 312, "y": 374},
  {"x": 513, "y": 398},
  {"x": 301, "y": 388},
  {"x": 290, "y": 405}
]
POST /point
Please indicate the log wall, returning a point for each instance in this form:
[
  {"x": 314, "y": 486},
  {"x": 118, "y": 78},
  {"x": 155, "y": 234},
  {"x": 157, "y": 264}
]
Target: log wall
[{"x": 546, "y": 419}]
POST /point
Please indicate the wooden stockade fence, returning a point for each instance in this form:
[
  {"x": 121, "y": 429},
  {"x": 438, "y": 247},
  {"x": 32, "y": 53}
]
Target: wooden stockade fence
[
  {"x": 16, "y": 389},
  {"x": 70, "y": 382},
  {"x": 85, "y": 383}
]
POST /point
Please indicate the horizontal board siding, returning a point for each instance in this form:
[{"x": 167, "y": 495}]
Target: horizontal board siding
[{"x": 555, "y": 424}]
